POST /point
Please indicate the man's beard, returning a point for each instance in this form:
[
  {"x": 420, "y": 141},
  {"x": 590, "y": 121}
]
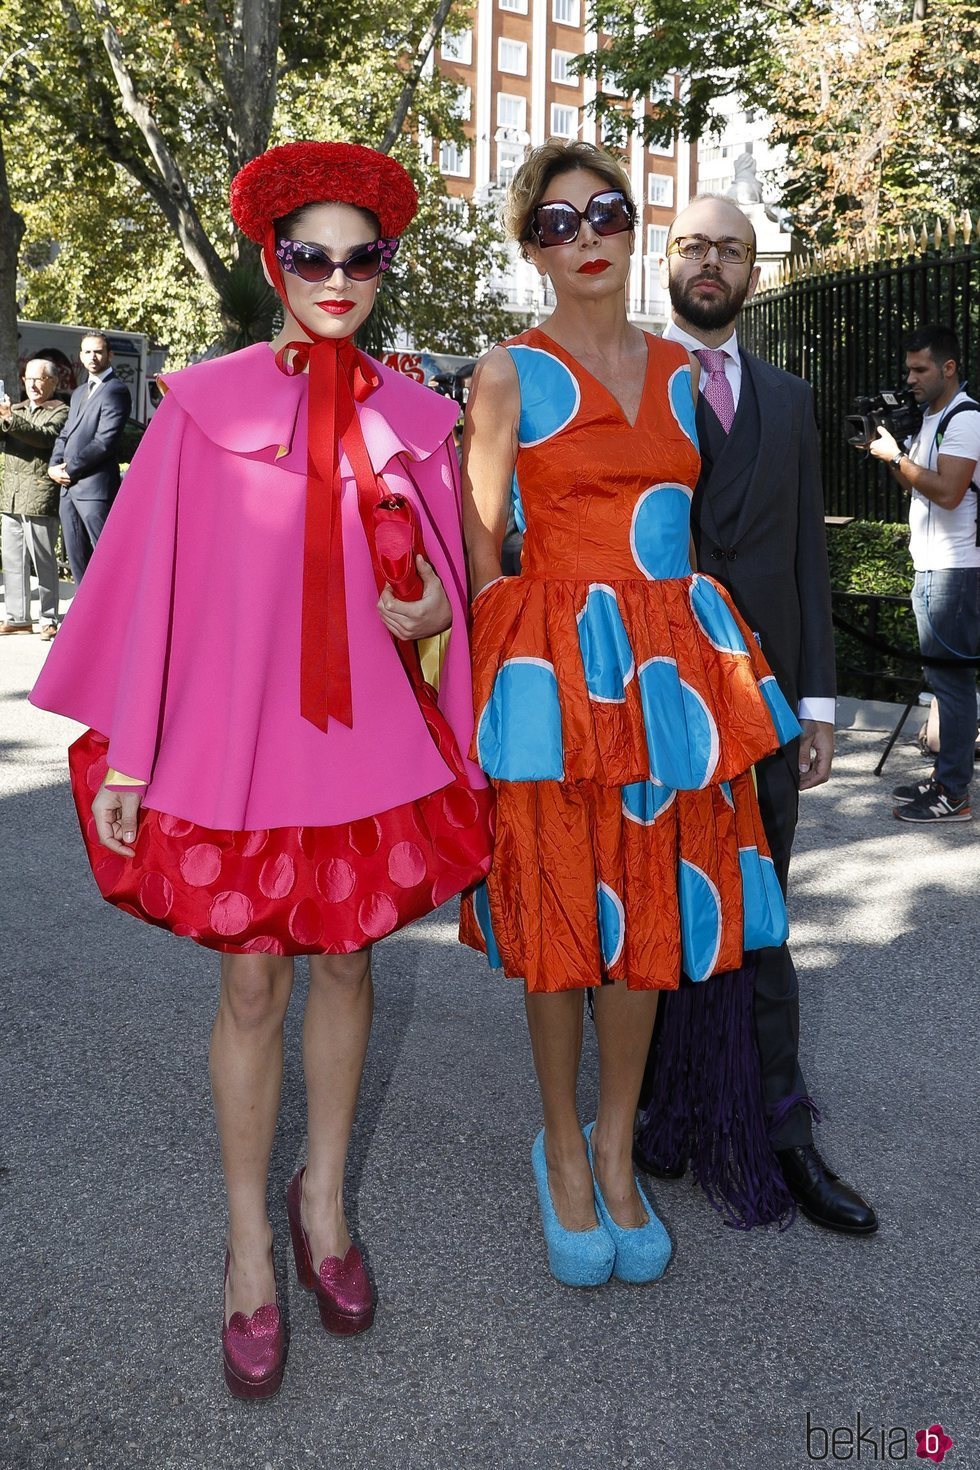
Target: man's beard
[{"x": 708, "y": 312}]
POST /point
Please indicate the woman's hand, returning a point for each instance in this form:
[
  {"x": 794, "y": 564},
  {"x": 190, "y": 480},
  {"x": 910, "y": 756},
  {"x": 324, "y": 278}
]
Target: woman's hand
[
  {"x": 116, "y": 815},
  {"x": 429, "y": 614}
]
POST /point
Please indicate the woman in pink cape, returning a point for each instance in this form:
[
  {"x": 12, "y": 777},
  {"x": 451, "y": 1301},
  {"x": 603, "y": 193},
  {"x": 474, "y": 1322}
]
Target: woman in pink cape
[{"x": 271, "y": 777}]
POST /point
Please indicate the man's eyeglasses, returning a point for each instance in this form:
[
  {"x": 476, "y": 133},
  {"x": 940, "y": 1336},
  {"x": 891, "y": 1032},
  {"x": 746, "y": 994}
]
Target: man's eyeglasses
[
  {"x": 313, "y": 265},
  {"x": 557, "y": 222},
  {"x": 696, "y": 247}
]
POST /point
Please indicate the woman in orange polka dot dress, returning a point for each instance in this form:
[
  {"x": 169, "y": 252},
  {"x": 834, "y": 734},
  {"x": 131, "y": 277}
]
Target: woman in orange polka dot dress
[{"x": 620, "y": 704}]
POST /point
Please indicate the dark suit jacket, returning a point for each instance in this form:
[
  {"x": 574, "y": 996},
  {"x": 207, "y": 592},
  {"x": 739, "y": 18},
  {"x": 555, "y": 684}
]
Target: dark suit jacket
[
  {"x": 759, "y": 524},
  {"x": 89, "y": 442}
]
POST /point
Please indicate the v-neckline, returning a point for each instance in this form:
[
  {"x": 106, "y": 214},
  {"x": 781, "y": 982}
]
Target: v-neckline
[{"x": 570, "y": 357}]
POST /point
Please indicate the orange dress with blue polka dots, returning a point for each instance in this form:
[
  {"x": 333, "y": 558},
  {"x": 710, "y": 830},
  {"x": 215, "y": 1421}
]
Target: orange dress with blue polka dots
[{"x": 621, "y": 702}]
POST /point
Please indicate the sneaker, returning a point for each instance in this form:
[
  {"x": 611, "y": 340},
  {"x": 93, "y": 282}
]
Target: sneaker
[
  {"x": 935, "y": 805},
  {"x": 6, "y": 628},
  {"x": 48, "y": 631},
  {"x": 903, "y": 794}
]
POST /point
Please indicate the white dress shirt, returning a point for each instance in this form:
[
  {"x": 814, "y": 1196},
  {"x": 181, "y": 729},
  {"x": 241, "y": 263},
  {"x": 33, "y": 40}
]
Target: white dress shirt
[{"x": 811, "y": 707}]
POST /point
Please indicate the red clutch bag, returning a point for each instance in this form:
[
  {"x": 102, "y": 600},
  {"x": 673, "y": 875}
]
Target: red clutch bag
[{"x": 398, "y": 540}]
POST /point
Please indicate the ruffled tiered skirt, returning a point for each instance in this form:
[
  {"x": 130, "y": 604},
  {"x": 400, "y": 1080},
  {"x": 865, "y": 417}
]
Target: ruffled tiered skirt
[{"x": 618, "y": 722}]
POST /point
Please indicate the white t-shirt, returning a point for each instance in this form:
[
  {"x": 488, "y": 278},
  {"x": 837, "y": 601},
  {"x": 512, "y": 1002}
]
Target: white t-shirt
[{"x": 941, "y": 539}]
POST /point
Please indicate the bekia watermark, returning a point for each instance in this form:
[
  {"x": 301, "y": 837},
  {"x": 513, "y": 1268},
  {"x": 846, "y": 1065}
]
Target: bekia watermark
[{"x": 875, "y": 1444}]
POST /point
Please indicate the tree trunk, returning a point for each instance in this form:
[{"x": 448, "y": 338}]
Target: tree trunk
[
  {"x": 11, "y": 234},
  {"x": 414, "y": 74}
]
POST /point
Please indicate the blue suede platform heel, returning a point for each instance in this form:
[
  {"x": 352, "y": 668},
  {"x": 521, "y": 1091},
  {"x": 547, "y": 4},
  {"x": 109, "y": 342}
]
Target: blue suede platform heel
[
  {"x": 575, "y": 1257},
  {"x": 642, "y": 1253}
]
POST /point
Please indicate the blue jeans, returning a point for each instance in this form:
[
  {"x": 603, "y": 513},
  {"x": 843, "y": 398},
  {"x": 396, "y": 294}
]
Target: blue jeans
[{"x": 947, "y": 611}]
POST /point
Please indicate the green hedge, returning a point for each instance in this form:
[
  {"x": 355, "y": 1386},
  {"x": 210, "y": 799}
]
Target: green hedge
[{"x": 871, "y": 556}]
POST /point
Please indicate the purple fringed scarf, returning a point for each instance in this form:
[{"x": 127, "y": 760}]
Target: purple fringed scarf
[{"x": 706, "y": 1104}]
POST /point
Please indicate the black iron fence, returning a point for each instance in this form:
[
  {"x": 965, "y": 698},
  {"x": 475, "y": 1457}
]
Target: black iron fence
[{"x": 839, "y": 320}]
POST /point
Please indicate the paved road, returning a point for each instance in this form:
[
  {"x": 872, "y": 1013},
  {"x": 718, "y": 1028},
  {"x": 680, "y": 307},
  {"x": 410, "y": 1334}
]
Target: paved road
[{"x": 112, "y": 1212}]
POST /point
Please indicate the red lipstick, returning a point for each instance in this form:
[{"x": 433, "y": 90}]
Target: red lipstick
[
  {"x": 593, "y": 267},
  {"x": 335, "y": 308}
]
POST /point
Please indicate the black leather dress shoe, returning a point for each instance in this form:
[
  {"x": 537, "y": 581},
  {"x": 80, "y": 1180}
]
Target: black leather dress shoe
[
  {"x": 822, "y": 1196},
  {"x": 658, "y": 1171}
]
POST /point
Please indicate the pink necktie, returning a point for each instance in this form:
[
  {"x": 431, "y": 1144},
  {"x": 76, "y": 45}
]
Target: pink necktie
[{"x": 716, "y": 387}]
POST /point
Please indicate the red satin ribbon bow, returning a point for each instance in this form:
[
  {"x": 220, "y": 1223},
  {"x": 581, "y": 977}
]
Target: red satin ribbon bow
[{"x": 340, "y": 376}]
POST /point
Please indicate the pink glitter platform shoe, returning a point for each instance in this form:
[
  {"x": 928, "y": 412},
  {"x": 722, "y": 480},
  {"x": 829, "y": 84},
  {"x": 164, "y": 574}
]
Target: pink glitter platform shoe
[
  {"x": 342, "y": 1287},
  {"x": 254, "y": 1350}
]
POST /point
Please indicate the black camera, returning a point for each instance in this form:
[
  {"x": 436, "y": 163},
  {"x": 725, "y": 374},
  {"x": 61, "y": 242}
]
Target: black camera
[{"x": 895, "y": 411}]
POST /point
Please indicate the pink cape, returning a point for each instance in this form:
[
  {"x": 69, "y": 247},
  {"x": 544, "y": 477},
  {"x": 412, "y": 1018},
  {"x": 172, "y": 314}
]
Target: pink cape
[{"x": 182, "y": 644}]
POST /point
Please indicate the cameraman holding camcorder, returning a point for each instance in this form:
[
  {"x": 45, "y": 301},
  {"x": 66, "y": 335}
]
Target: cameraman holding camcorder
[{"x": 937, "y": 466}]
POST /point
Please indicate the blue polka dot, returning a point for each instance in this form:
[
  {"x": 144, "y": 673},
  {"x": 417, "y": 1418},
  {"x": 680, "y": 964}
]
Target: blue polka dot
[
  {"x": 786, "y": 724},
  {"x": 549, "y": 394},
  {"x": 643, "y": 801},
  {"x": 700, "y": 907},
  {"x": 612, "y": 924},
  {"x": 682, "y": 737},
  {"x": 520, "y": 520},
  {"x": 659, "y": 532},
  {"x": 764, "y": 911},
  {"x": 607, "y": 657},
  {"x": 481, "y": 912},
  {"x": 714, "y": 617},
  {"x": 682, "y": 403},
  {"x": 518, "y": 737}
]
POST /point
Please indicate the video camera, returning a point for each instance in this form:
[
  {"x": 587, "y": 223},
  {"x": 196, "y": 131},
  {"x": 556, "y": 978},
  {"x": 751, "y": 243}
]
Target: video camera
[{"x": 895, "y": 411}]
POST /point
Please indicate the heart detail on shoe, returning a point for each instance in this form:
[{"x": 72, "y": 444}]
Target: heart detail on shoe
[{"x": 262, "y": 1323}]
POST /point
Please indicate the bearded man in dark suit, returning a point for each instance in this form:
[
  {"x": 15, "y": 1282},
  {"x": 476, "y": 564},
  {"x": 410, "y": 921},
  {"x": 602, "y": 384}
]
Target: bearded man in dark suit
[
  {"x": 758, "y": 527},
  {"x": 85, "y": 458}
]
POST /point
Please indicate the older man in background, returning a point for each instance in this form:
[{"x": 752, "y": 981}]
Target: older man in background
[{"x": 29, "y": 501}]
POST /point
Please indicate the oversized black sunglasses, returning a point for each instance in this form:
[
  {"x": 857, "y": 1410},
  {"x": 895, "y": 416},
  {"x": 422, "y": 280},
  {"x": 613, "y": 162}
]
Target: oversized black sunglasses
[
  {"x": 557, "y": 222},
  {"x": 313, "y": 264}
]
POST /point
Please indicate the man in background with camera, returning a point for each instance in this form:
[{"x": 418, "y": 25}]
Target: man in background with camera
[
  {"x": 758, "y": 523},
  {"x": 938, "y": 471}
]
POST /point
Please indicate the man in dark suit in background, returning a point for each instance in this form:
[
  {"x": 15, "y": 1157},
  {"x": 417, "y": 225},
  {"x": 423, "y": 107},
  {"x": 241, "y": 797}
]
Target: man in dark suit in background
[
  {"x": 85, "y": 458},
  {"x": 757, "y": 520}
]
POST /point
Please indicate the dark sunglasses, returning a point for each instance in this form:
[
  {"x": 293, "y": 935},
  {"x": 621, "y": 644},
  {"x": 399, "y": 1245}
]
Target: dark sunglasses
[
  {"x": 557, "y": 222},
  {"x": 312, "y": 264}
]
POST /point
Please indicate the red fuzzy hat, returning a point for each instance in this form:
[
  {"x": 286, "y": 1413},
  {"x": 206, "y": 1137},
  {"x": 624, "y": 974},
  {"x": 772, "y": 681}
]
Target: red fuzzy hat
[{"x": 285, "y": 178}]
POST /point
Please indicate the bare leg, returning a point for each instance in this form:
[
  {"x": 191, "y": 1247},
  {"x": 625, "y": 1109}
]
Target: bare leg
[
  {"x": 246, "y": 1078},
  {"x": 335, "y": 1037},
  {"x": 624, "y": 1025},
  {"x": 555, "y": 1026}
]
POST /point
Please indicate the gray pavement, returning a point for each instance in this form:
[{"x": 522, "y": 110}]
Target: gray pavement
[{"x": 111, "y": 1203}]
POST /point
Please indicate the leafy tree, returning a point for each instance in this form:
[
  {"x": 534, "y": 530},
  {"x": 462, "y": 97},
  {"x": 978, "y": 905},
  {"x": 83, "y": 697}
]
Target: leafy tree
[
  {"x": 122, "y": 142},
  {"x": 717, "y": 48},
  {"x": 880, "y": 109}
]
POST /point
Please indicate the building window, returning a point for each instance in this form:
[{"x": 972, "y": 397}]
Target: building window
[
  {"x": 458, "y": 48},
  {"x": 656, "y": 240},
  {"x": 511, "y": 111},
  {"x": 660, "y": 190},
  {"x": 560, "y": 63},
  {"x": 512, "y": 56},
  {"x": 610, "y": 85},
  {"x": 454, "y": 160},
  {"x": 613, "y": 131},
  {"x": 519, "y": 5},
  {"x": 661, "y": 150},
  {"x": 510, "y": 156},
  {"x": 565, "y": 12},
  {"x": 564, "y": 121},
  {"x": 463, "y": 105}
]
